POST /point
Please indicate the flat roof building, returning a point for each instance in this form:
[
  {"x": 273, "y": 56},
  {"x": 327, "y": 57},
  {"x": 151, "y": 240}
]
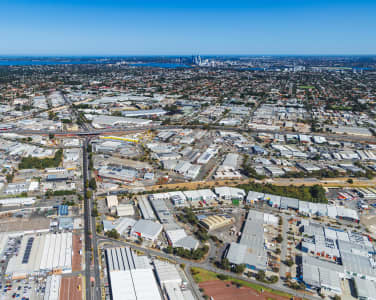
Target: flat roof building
[{"x": 147, "y": 229}]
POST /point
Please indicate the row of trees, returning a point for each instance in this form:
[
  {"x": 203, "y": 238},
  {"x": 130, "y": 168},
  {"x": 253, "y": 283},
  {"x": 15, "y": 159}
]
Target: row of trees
[
  {"x": 225, "y": 265},
  {"x": 315, "y": 193},
  {"x": 41, "y": 163},
  {"x": 197, "y": 254}
]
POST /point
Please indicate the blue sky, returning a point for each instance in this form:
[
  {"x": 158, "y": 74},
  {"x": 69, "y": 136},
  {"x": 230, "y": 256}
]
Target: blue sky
[{"x": 141, "y": 27}]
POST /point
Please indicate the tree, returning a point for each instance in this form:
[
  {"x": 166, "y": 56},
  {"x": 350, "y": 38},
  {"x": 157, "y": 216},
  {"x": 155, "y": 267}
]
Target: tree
[
  {"x": 239, "y": 268},
  {"x": 95, "y": 212},
  {"x": 350, "y": 180},
  {"x": 317, "y": 192},
  {"x": 289, "y": 262},
  {"x": 93, "y": 184},
  {"x": 279, "y": 238},
  {"x": 113, "y": 234},
  {"x": 9, "y": 177},
  {"x": 273, "y": 279},
  {"x": 278, "y": 251},
  {"x": 169, "y": 250},
  {"x": 51, "y": 136},
  {"x": 225, "y": 264},
  {"x": 222, "y": 277},
  {"x": 260, "y": 275}
]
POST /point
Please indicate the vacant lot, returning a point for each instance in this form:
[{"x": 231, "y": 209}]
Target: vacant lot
[
  {"x": 217, "y": 288},
  {"x": 223, "y": 290}
]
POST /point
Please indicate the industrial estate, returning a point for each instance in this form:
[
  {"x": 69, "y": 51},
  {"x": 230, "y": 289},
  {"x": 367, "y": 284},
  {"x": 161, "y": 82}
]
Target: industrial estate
[{"x": 185, "y": 178}]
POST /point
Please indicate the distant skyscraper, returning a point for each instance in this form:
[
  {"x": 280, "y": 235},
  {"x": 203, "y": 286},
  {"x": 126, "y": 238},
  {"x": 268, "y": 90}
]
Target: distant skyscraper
[{"x": 197, "y": 60}]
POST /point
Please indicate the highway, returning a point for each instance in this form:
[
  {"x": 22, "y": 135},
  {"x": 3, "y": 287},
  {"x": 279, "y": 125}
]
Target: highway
[{"x": 119, "y": 130}]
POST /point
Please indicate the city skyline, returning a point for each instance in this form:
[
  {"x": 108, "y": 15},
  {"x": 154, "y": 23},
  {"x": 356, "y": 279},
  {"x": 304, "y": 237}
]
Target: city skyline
[{"x": 111, "y": 28}]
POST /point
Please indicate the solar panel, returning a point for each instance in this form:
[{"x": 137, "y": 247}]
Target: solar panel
[{"x": 29, "y": 245}]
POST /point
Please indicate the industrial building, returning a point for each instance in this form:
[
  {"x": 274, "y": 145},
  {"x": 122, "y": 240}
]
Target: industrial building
[
  {"x": 147, "y": 229},
  {"x": 117, "y": 173},
  {"x": 130, "y": 276},
  {"x": 42, "y": 253},
  {"x": 53, "y": 284},
  {"x": 144, "y": 113},
  {"x": 230, "y": 194},
  {"x": 251, "y": 248},
  {"x": 365, "y": 289},
  {"x": 310, "y": 209},
  {"x": 178, "y": 238},
  {"x": 111, "y": 201},
  {"x": 204, "y": 196},
  {"x": 216, "y": 222},
  {"x": 123, "y": 210},
  {"x": 146, "y": 209},
  {"x": 102, "y": 121},
  {"x": 171, "y": 282},
  {"x": 17, "y": 201}
]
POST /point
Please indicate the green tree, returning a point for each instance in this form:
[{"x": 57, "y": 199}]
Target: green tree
[
  {"x": 92, "y": 183},
  {"x": 239, "y": 268},
  {"x": 260, "y": 275},
  {"x": 113, "y": 233},
  {"x": 225, "y": 264}
]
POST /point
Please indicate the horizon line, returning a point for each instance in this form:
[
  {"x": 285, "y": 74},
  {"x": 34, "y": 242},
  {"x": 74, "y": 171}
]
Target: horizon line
[{"x": 174, "y": 55}]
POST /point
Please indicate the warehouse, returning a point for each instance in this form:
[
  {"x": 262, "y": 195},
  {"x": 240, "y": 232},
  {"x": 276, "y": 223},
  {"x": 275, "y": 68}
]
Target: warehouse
[
  {"x": 123, "y": 210},
  {"x": 231, "y": 161},
  {"x": 178, "y": 238},
  {"x": 251, "y": 248},
  {"x": 145, "y": 208},
  {"x": 111, "y": 201},
  {"x": 17, "y": 201},
  {"x": 103, "y": 121},
  {"x": 170, "y": 281},
  {"x": 216, "y": 222},
  {"x": 122, "y": 225},
  {"x": 365, "y": 289},
  {"x": 144, "y": 113},
  {"x": 117, "y": 173},
  {"x": 162, "y": 212},
  {"x": 42, "y": 253},
  {"x": 316, "y": 277},
  {"x": 253, "y": 197},
  {"x": 146, "y": 229},
  {"x": 167, "y": 273},
  {"x": 129, "y": 274},
  {"x": 205, "y": 196},
  {"x": 230, "y": 194}
]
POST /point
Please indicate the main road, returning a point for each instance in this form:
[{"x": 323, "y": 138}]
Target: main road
[
  {"x": 93, "y": 288},
  {"x": 88, "y": 245}
]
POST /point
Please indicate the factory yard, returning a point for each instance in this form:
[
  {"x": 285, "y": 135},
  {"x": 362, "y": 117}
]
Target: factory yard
[{"x": 70, "y": 288}]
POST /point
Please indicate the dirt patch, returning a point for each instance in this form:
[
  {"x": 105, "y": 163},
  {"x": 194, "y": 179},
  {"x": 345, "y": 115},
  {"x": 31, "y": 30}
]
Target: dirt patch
[
  {"x": 22, "y": 224},
  {"x": 71, "y": 288},
  {"x": 222, "y": 290}
]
